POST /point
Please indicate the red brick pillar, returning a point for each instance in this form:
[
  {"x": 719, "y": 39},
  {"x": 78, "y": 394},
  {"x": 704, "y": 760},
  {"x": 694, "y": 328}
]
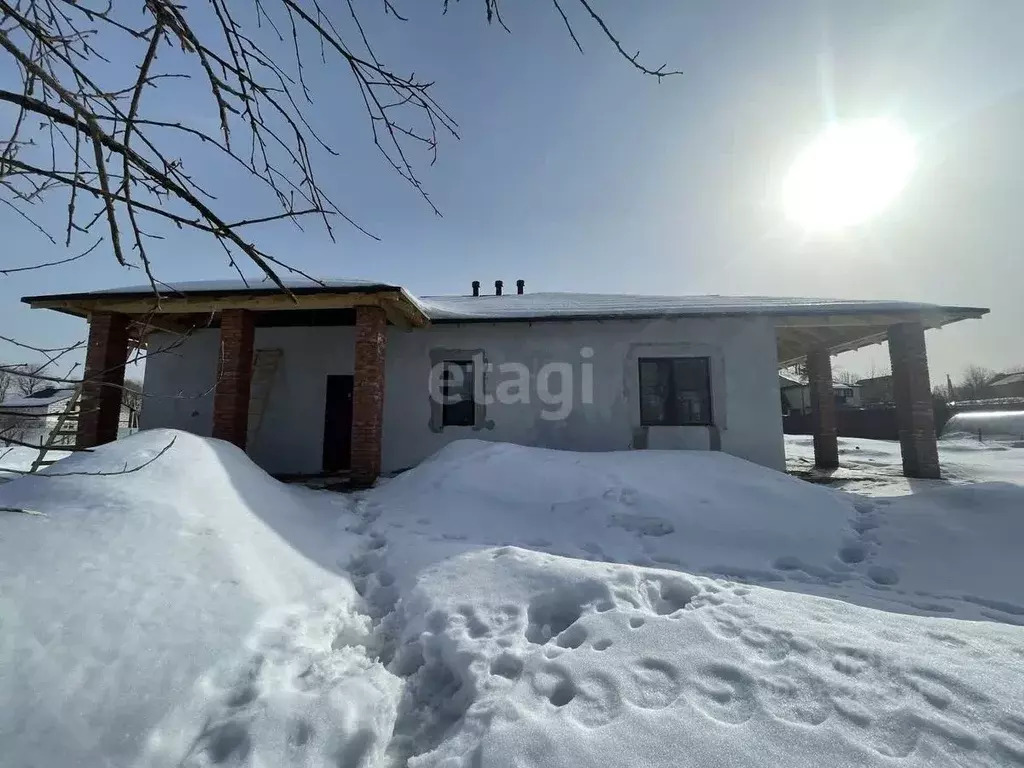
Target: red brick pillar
[
  {"x": 100, "y": 402},
  {"x": 823, "y": 409},
  {"x": 915, "y": 415},
  {"x": 234, "y": 375},
  {"x": 368, "y": 394}
]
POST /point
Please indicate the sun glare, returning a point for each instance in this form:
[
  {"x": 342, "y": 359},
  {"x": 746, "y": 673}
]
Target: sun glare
[{"x": 849, "y": 174}]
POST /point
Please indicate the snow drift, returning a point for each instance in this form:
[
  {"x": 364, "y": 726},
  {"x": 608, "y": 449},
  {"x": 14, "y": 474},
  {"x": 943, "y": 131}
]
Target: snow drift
[
  {"x": 131, "y": 588},
  {"x": 503, "y": 606}
]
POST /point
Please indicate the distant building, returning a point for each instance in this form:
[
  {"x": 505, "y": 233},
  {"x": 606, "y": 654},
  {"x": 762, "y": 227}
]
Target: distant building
[
  {"x": 29, "y": 418},
  {"x": 1007, "y": 385},
  {"x": 876, "y": 390},
  {"x": 796, "y": 394}
]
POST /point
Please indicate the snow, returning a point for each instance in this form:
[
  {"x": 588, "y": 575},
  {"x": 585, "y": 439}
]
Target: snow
[
  {"x": 255, "y": 284},
  {"x": 555, "y": 305},
  {"x": 508, "y": 606},
  {"x": 37, "y": 400},
  {"x": 123, "y": 594},
  {"x": 874, "y": 467},
  {"x": 537, "y": 306}
]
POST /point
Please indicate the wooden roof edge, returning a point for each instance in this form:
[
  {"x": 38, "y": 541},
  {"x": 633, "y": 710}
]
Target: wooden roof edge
[
  {"x": 399, "y": 306},
  {"x": 933, "y": 317}
]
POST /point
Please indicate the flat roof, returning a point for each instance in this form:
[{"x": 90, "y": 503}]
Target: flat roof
[
  {"x": 838, "y": 325},
  {"x": 521, "y": 307}
]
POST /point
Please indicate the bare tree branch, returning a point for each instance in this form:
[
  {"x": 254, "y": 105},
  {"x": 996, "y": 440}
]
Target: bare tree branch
[{"x": 103, "y": 144}]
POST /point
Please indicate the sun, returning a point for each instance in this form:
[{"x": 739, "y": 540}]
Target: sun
[{"x": 848, "y": 174}]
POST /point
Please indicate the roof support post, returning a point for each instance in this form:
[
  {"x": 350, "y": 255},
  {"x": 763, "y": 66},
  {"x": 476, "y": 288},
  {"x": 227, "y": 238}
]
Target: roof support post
[
  {"x": 234, "y": 377},
  {"x": 103, "y": 383},
  {"x": 823, "y": 408},
  {"x": 915, "y": 414},
  {"x": 368, "y": 394}
]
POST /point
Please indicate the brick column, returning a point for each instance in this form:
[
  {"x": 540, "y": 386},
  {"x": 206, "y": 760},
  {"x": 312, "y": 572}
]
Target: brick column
[
  {"x": 368, "y": 394},
  {"x": 100, "y": 402},
  {"x": 234, "y": 376},
  {"x": 915, "y": 415},
  {"x": 823, "y": 409}
]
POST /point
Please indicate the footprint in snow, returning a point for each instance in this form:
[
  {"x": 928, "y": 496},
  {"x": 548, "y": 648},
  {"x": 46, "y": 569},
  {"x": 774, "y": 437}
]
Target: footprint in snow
[
  {"x": 883, "y": 576},
  {"x": 598, "y": 701},
  {"x": 804, "y": 701},
  {"x": 655, "y": 684},
  {"x": 724, "y": 692},
  {"x": 642, "y": 525}
]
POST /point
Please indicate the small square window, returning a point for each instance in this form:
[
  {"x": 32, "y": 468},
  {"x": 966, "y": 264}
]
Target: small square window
[
  {"x": 458, "y": 406},
  {"x": 675, "y": 391}
]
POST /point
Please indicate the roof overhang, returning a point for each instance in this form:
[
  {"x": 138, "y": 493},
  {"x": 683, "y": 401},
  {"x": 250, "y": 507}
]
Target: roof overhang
[
  {"x": 171, "y": 310},
  {"x": 846, "y": 331},
  {"x": 836, "y": 325}
]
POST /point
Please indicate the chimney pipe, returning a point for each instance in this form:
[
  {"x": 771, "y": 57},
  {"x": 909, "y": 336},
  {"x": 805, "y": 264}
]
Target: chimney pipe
[
  {"x": 520, "y": 286},
  {"x": 497, "y": 287},
  {"x": 476, "y": 287}
]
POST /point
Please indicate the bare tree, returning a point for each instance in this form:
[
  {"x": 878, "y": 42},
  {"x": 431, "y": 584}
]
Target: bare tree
[
  {"x": 83, "y": 94},
  {"x": 88, "y": 126},
  {"x": 974, "y": 383},
  {"x": 25, "y": 379},
  {"x": 5, "y": 383},
  {"x": 846, "y": 377}
]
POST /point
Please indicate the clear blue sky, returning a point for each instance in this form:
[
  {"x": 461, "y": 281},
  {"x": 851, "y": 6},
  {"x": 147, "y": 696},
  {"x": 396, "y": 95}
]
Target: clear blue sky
[{"x": 577, "y": 173}]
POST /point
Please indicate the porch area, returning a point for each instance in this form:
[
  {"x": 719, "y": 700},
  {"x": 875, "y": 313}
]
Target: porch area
[
  {"x": 815, "y": 341},
  {"x": 119, "y": 324}
]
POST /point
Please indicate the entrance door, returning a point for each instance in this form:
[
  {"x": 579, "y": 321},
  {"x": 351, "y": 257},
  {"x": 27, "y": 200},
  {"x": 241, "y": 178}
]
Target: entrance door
[{"x": 338, "y": 424}]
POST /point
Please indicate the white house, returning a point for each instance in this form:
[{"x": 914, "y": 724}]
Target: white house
[
  {"x": 796, "y": 393},
  {"x": 29, "y": 418},
  {"x": 365, "y": 377}
]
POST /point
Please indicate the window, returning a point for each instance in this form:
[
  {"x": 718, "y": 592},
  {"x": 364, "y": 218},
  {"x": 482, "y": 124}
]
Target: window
[
  {"x": 675, "y": 391},
  {"x": 458, "y": 408}
]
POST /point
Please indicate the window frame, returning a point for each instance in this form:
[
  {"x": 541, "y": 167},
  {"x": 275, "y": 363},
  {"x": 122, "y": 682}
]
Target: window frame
[
  {"x": 469, "y": 372},
  {"x": 672, "y": 418}
]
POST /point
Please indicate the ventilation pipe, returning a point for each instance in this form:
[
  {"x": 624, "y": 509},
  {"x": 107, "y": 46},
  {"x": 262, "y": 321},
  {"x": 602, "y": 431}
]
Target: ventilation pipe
[
  {"x": 497, "y": 287},
  {"x": 476, "y": 287},
  {"x": 520, "y": 286}
]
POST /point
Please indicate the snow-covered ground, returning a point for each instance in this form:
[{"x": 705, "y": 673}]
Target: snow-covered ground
[
  {"x": 874, "y": 468},
  {"x": 506, "y": 606},
  {"x": 15, "y": 460}
]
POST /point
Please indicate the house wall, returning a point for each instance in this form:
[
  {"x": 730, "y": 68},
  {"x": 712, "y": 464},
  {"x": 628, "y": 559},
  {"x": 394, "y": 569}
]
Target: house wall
[
  {"x": 799, "y": 398},
  {"x": 876, "y": 390},
  {"x": 1009, "y": 389},
  {"x": 744, "y": 369}
]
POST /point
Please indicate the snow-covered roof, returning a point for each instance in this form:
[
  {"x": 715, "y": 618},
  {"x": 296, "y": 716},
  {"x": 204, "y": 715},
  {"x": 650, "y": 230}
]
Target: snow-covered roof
[
  {"x": 1009, "y": 378},
  {"x": 299, "y": 284},
  {"x": 543, "y": 306},
  {"x": 43, "y": 397},
  {"x": 787, "y": 380}
]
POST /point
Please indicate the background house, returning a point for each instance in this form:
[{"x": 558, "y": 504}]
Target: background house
[
  {"x": 30, "y": 418},
  {"x": 876, "y": 390},
  {"x": 796, "y": 394},
  {"x": 1007, "y": 385}
]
